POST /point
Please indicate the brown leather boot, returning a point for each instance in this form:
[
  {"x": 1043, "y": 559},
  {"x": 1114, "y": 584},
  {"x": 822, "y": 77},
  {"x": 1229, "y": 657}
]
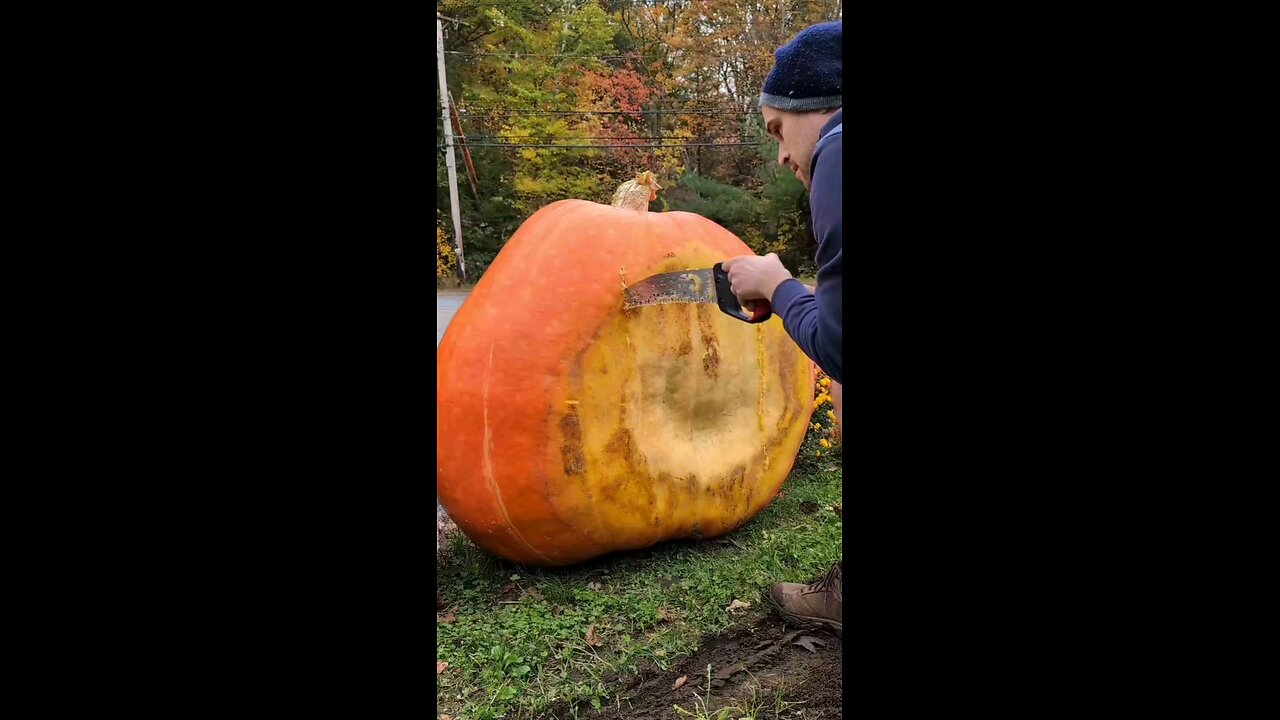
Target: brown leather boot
[{"x": 820, "y": 604}]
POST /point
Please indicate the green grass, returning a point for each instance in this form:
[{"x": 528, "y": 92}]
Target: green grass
[{"x": 517, "y": 643}]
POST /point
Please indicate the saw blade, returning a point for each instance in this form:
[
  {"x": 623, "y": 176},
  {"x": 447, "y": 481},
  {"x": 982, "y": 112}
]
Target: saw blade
[{"x": 689, "y": 286}]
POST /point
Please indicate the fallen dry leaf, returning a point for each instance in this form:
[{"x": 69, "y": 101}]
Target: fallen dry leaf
[
  {"x": 664, "y": 613},
  {"x": 592, "y": 639},
  {"x": 446, "y": 618},
  {"x": 440, "y": 666},
  {"x": 593, "y": 585},
  {"x": 446, "y": 717},
  {"x": 838, "y": 509},
  {"x": 680, "y": 681},
  {"x": 737, "y": 605},
  {"x": 807, "y": 642}
]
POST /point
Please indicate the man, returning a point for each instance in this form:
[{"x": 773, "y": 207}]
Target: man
[{"x": 802, "y": 104}]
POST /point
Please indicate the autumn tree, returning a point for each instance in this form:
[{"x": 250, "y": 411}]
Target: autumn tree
[{"x": 602, "y": 73}]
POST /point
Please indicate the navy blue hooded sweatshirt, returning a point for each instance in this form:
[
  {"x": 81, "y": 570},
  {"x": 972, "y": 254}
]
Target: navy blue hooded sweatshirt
[{"x": 815, "y": 320}]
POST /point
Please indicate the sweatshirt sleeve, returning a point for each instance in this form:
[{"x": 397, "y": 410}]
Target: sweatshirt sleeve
[{"x": 815, "y": 320}]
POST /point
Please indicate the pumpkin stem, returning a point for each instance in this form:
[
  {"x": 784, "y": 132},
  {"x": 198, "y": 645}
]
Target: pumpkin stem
[{"x": 637, "y": 194}]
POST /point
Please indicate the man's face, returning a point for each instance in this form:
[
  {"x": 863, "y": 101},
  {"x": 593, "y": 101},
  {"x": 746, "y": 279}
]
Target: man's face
[{"x": 797, "y": 135}]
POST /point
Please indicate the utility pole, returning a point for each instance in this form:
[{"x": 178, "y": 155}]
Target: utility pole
[
  {"x": 448, "y": 143},
  {"x": 466, "y": 152}
]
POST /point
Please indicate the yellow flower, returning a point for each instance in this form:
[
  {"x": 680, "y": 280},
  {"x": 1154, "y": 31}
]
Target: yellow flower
[
  {"x": 824, "y": 443},
  {"x": 825, "y": 382},
  {"x": 831, "y": 415},
  {"x": 816, "y": 426}
]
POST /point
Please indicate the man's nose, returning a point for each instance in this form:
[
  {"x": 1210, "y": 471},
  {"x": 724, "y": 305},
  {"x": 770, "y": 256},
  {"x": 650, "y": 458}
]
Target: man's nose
[{"x": 783, "y": 156}]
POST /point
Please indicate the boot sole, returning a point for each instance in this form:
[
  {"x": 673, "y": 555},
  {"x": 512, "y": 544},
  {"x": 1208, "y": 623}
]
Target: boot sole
[{"x": 805, "y": 621}]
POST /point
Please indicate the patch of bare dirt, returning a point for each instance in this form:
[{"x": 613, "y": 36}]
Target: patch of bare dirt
[{"x": 761, "y": 661}]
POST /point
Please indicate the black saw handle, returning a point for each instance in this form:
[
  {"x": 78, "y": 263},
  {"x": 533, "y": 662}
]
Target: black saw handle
[{"x": 761, "y": 310}]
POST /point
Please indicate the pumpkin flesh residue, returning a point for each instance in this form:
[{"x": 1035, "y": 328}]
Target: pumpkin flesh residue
[{"x": 668, "y": 433}]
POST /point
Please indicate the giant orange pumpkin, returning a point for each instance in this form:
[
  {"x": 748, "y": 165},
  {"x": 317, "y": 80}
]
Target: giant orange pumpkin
[{"x": 568, "y": 427}]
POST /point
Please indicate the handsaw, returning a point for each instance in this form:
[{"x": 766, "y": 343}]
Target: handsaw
[{"x": 708, "y": 285}]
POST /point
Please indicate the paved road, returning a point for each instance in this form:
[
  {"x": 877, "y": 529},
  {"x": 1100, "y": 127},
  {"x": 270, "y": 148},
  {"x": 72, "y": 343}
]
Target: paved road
[{"x": 447, "y": 303}]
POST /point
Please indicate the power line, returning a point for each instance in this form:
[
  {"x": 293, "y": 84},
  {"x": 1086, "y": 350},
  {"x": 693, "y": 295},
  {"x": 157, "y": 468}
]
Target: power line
[
  {"x": 664, "y": 105},
  {"x": 582, "y": 137},
  {"x": 510, "y": 3},
  {"x": 517, "y": 55},
  {"x": 552, "y": 22},
  {"x": 596, "y": 147},
  {"x": 455, "y": 21},
  {"x": 467, "y": 109},
  {"x": 473, "y": 5}
]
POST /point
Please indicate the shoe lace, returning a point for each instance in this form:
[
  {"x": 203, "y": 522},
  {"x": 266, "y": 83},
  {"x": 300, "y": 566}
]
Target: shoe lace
[{"x": 831, "y": 581}]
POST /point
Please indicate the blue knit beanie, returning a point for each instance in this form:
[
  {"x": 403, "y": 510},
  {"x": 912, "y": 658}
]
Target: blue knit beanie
[{"x": 807, "y": 72}]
